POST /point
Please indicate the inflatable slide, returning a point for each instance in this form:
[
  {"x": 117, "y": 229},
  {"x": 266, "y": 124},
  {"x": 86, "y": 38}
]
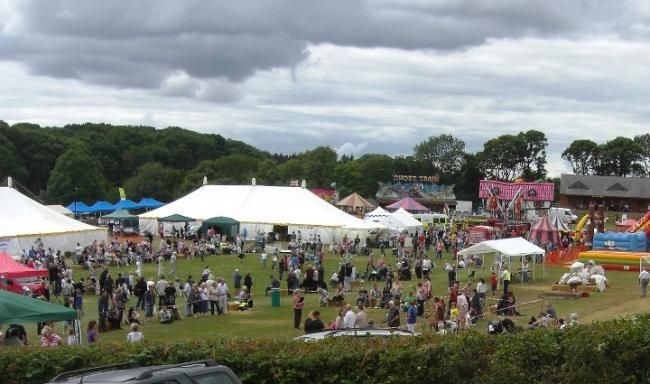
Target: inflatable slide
[{"x": 622, "y": 251}]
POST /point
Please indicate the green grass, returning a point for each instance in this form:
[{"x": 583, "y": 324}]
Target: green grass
[{"x": 277, "y": 322}]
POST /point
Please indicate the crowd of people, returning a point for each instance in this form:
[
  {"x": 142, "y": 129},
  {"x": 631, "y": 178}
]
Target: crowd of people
[{"x": 302, "y": 268}]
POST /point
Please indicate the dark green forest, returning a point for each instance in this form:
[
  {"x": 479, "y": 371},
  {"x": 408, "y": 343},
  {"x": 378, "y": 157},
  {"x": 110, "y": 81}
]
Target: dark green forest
[{"x": 90, "y": 161}]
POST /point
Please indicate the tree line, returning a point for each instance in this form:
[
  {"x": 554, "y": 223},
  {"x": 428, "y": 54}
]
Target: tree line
[
  {"x": 88, "y": 162},
  {"x": 621, "y": 156}
]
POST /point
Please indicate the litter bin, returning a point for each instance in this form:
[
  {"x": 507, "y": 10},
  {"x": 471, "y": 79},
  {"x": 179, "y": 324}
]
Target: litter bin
[{"x": 275, "y": 297}]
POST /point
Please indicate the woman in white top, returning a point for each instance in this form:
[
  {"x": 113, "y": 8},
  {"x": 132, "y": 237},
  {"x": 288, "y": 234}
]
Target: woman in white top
[{"x": 134, "y": 336}]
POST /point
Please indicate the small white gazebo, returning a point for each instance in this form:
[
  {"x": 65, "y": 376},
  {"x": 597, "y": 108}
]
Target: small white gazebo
[{"x": 516, "y": 247}]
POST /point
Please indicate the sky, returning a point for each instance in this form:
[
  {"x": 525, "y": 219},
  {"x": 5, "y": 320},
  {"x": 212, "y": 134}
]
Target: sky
[{"x": 359, "y": 76}]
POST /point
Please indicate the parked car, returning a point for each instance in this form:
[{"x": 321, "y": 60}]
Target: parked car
[
  {"x": 355, "y": 332},
  {"x": 24, "y": 287},
  {"x": 195, "y": 372}
]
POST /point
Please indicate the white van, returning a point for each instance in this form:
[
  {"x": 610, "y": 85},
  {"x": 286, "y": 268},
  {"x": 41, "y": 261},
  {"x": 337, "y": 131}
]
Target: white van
[
  {"x": 565, "y": 214},
  {"x": 432, "y": 219}
]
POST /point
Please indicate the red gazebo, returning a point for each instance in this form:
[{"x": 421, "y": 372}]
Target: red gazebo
[{"x": 10, "y": 268}]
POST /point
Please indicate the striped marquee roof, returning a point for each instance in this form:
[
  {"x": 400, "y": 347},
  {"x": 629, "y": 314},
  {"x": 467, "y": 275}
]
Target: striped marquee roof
[{"x": 506, "y": 191}]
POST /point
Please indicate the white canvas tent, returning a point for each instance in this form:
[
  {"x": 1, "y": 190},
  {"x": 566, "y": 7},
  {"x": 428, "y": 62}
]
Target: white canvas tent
[
  {"x": 411, "y": 223},
  {"x": 513, "y": 248},
  {"x": 383, "y": 217},
  {"x": 559, "y": 224},
  {"x": 257, "y": 208},
  {"x": 23, "y": 221},
  {"x": 61, "y": 209}
]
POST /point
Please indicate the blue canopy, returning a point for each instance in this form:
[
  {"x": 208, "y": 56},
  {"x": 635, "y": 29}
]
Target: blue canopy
[
  {"x": 78, "y": 207},
  {"x": 102, "y": 206},
  {"x": 126, "y": 204},
  {"x": 148, "y": 202}
]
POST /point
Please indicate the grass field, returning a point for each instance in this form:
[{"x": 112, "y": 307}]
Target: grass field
[{"x": 621, "y": 300}]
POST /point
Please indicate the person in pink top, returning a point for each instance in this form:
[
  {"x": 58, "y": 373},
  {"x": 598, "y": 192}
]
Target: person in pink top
[
  {"x": 298, "y": 304},
  {"x": 49, "y": 338}
]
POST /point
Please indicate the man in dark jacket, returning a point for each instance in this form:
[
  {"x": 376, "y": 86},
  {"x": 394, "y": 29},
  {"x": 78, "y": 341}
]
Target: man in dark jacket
[
  {"x": 392, "y": 318},
  {"x": 102, "y": 308},
  {"x": 139, "y": 290},
  {"x": 108, "y": 284}
]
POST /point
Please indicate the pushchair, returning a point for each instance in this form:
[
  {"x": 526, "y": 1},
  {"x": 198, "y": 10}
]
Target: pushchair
[{"x": 324, "y": 296}]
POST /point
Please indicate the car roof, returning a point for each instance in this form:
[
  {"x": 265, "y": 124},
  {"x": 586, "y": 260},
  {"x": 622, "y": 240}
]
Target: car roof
[
  {"x": 127, "y": 372},
  {"x": 355, "y": 332}
]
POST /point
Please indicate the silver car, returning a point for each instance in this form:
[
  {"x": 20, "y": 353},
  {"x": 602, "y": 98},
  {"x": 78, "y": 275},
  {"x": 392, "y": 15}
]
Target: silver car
[{"x": 356, "y": 332}]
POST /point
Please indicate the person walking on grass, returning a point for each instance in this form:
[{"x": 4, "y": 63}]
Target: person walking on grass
[
  {"x": 644, "y": 279},
  {"x": 298, "y": 304}
]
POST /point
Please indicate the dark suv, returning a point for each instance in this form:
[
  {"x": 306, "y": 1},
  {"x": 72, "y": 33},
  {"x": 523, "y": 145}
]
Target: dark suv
[{"x": 195, "y": 372}]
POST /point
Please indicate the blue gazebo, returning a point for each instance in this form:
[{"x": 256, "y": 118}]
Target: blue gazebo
[
  {"x": 150, "y": 203},
  {"x": 79, "y": 208},
  {"x": 102, "y": 206},
  {"x": 126, "y": 204}
]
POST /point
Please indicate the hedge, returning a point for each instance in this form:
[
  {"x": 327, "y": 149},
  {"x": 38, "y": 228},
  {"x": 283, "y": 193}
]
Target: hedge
[{"x": 609, "y": 352}]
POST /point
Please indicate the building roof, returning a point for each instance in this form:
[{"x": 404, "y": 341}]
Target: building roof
[
  {"x": 354, "y": 200},
  {"x": 507, "y": 191},
  {"x": 610, "y": 186}
]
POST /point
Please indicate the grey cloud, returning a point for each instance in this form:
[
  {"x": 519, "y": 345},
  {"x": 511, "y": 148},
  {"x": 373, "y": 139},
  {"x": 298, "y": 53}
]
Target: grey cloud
[{"x": 140, "y": 44}]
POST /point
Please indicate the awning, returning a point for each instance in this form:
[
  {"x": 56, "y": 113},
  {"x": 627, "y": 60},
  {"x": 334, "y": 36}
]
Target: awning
[
  {"x": 176, "y": 218},
  {"x": 18, "y": 309}
]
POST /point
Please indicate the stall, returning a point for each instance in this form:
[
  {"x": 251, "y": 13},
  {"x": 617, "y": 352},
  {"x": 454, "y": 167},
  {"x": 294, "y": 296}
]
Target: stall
[
  {"x": 505, "y": 250},
  {"x": 18, "y": 309},
  {"x": 121, "y": 220}
]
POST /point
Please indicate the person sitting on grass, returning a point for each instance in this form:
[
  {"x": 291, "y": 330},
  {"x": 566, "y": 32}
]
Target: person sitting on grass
[
  {"x": 135, "y": 336},
  {"x": 133, "y": 317},
  {"x": 245, "y": 301},
  {"x": 338, "y": 297},
  {"x": 313, "y": 323},
  {"x": 165, "y": 316}
]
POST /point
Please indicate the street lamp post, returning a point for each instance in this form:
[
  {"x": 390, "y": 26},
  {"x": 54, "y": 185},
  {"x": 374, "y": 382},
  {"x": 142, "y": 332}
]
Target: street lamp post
[{"x": 76, "y": 190}]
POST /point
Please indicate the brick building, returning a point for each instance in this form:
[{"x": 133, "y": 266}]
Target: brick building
[{"x": 577, "y": 191}]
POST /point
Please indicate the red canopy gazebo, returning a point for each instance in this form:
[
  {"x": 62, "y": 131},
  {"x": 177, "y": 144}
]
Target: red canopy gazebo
[
  {"x": 10, "y": 268},
  {"x": 408, "y": 204},
  {"x": 543, "y": 231}
]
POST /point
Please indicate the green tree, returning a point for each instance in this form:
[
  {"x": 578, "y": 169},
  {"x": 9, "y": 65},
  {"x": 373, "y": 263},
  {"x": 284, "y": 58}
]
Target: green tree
[
  {"x": 153, "y": 180},
  {"x": 532, "y": 154},
  {"x": 445, "y": 152},
  {"x": 501, "y": 157},
  {"x": 468, "y": 178},
  {"x": 37, "y": 149},
  {"x": 76, "y": 176},
  {"x": 618, "y": 157},
  {"x": 318, "y": 166},
  {"x": 9, "y": 163},
  {"x": 582, "y": 155},
  {"x": 350, "y": 178},
  {"x": 644, "y": 163},
  {"x": 231, "y": 169},
  {"x": 374, "y": 168}
]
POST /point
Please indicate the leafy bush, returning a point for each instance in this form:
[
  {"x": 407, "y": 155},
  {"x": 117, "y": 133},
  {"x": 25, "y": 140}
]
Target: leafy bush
[{"x": 613, "y": 351}]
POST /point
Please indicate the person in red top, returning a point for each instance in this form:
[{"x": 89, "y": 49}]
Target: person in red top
[
  {"x": 298, "y": 304},
  {"x": 493, "y": 282}
]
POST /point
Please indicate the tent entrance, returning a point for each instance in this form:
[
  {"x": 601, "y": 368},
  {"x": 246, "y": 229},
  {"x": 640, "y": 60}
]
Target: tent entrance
[{"x": 281, "y": 232}]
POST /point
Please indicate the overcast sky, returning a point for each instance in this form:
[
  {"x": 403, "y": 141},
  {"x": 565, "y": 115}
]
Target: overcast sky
[{"x": 360, "y": 76}]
